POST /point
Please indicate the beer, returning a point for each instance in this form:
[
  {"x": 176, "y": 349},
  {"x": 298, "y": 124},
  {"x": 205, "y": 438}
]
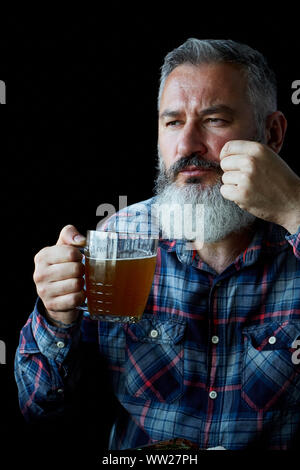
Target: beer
[{"x": 119, "y": 287}]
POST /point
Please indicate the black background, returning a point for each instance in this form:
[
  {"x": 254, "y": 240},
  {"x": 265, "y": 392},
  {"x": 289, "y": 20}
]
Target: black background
[{"x": 80, "y": 129}]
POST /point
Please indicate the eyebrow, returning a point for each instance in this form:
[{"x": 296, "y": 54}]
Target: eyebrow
[{"x": 172, "y": 113}]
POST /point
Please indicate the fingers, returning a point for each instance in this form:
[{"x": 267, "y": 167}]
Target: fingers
[
  {"x": 64, "y": 303},
  {"x": 231, "y": 177},
  {"x": 238, "y": 162},
  {"x": 236, "y": 178},
  {"x": 58, "y": 254},
  {"x": 64, "y": 287},
  {"x": 230, "y": 192},
  {"x": 60, "y": 286},
  {"x": 59, "y": 273},
  {"x": 236, "y": 147},
  {"x": 241, "y": 155},
  {"x": 70, "y": 236}
]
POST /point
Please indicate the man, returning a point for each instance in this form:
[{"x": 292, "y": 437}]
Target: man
[{"x": 213, "y": 358}]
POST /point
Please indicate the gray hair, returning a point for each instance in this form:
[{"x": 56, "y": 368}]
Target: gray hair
[{"x": 261, "y": 80}]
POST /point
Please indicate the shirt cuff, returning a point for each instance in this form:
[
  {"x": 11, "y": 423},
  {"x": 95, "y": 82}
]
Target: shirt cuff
[{"x": 53, "y": 342}]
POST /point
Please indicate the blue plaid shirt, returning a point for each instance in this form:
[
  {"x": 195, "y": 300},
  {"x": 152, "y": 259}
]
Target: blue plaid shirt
[{"x": 215, "y": 358}]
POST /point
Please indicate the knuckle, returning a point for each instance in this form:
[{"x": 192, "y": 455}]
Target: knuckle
[
  {"x": 35, "y": 277},
  {"x": 65, "y": 229},
  {"x": 51, "y": 304},
  {"x": 40, "y": 255},
  {"x": 259, "y": 147},
  {"x": 64, "y": 302},
  {"x": 63, "y": 238},
  {"x": 42, "y": 290},
  {"x": 68, "y": 227},
  {"x": 38, "y": 276},
  {"x": 226, "y": 147},
  {"x": 224, "y": 177}
]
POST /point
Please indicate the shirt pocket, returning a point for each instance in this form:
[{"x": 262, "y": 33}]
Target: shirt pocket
[
  {"x": 154, "y": 366},
  {"x": 271, "y": 371}
]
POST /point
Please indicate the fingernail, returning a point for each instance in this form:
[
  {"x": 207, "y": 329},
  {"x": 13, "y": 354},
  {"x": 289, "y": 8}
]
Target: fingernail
[{"x": 79, "y": 238}]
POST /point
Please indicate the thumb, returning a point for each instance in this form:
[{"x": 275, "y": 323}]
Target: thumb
[{"x": 70, "y": 236}]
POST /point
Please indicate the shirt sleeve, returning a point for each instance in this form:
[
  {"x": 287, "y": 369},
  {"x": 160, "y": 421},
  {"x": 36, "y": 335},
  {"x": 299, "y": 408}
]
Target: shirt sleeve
[
  {"x": 45, "y": 363},
  {"x": 294, "y": 241}
]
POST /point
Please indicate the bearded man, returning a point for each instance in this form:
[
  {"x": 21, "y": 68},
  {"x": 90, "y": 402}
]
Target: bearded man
[{"x": 213, "y": 358}]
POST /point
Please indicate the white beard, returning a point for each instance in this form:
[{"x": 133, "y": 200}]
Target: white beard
[{"x": 219, "y": 218}]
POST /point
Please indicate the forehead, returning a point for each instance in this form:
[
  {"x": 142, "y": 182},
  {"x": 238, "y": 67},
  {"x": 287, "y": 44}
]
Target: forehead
[{"x": 204, "y": 85}]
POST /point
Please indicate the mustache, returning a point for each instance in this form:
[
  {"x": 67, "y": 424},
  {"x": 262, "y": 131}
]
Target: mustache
[{"x": 191, "y": 160}]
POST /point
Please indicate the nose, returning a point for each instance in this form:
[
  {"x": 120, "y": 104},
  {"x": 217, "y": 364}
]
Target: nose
[{"x": 191, "y": 141}]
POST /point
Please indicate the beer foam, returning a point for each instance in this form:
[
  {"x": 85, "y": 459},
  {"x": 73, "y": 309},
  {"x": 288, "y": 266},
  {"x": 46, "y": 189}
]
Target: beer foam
[{"x": 121, "y": 259}]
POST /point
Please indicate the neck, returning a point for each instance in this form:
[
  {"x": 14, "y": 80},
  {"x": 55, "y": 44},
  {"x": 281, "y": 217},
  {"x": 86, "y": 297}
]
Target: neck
[{"x": 219, "y": 255}]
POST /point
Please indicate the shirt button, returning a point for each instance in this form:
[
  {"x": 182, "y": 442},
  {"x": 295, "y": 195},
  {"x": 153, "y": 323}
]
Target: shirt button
[
  {"x": 215, "y": 339},
  {"x": 213, "y": 394},
  {"x": 272, "y": 340},
  {"x": 154, "y": 333},
  {"x": 60, "y": 344}
]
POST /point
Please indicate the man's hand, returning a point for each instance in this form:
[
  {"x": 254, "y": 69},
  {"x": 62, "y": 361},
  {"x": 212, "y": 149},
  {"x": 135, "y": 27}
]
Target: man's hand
[
  {"x": 58, "y": 276},
  {"x": 260, "y": 182}
]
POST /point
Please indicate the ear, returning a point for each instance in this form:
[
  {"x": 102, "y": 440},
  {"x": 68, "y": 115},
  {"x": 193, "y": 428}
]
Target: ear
[{"x": 276, "y": 125}]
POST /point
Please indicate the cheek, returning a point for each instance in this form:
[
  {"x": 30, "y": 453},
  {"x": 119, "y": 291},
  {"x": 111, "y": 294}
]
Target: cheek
[
  {"x": 216, "y": 142},
  {"x": 167, "y": 150},
  {"x": 215, "y": 145}
]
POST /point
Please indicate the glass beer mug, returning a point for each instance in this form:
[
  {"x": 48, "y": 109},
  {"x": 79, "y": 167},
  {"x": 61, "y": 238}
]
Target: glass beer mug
[{"x": 119, "y": 269}]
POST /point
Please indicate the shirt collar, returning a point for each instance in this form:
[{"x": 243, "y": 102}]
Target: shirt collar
[{"x": 268, "y": 239}]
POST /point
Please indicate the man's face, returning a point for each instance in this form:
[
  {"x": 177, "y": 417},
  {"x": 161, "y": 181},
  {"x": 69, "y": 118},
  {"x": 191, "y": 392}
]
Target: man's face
[{"x": 201, "y": 108}]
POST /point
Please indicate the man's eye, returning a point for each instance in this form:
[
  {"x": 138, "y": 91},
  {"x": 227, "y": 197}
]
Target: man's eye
[
  {"x": 217, "y": 121},
  {"x": 173, "y": 123}
]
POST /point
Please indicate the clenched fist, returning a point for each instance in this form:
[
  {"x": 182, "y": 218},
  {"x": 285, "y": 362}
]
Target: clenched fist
[
  {"x": 58, "y": 276},
  {"x": 260, "y": 182}
]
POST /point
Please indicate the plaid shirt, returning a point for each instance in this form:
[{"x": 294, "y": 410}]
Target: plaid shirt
[{"x": 214, "y": 359}]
